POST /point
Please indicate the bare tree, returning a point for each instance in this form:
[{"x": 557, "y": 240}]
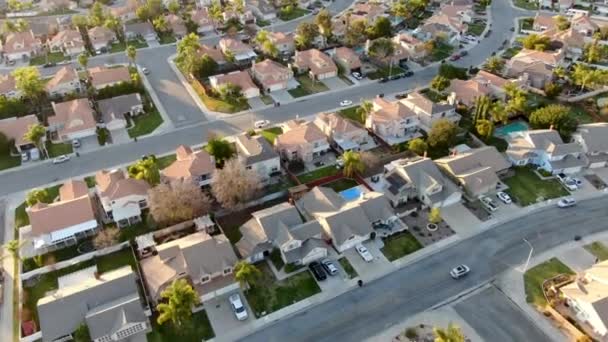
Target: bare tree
[
  {"x": 106, "y": 238},
  {"x": 178, "y": 201},
  {"x": 234, "y": 185}
]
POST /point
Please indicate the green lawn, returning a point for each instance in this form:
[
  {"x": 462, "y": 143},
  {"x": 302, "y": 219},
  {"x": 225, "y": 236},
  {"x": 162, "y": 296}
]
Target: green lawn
[
  {"x": 307, "y": 87},
  {"x": 120, "y": 46},
  {"x": 166, "y": 38},
  {"x": 342, "y": 184},
  {"x": 277, "y": 260},
  {"x": 145, "y": 123},
  {"x": 59, "y": 149},
  {"x": 400, "y": 245},
  {"x": 510, "y": 52},
  {"x": 348, "y": 268},
  {"x": 284, "y": 184},
  {"x": 116, "y": 260},
  {"x": 598, "y": 249},
  {"x": 318, "y": 173},
  {"x": 526, "y": 23},
  {"x": 262, "y": 23},
  {"x": 197, "y": 329},
  {"x": 51, "y": 258},
  {"x": 526, "y": 187},
  {"x": 144, "y": 227},
  {"x": 441, "y": 51},
  {"x": 163, "y": 162},
  {"x": 53, "y": 57},
  {"x": 294, "y": 14},
  {"x": 269, "y": 295},
  {"x": 218, "y": 105},
  {"x": 476, "y": 29},
  {"x": 385, "y": 72},
  {"x": 90, "y": 180},
  {"x": 351, "y": 113},
  {"x": 7, "y": 161},
  {"x": 21, "y": 218},
  {"x": 525, "y": 4},
  {"x": 271, "y": 133},
  {"x": 534, "y": 278}
]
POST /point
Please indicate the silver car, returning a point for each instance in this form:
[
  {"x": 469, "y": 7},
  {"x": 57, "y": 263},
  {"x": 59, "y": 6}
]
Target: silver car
[{"x": 460, "y": 271}]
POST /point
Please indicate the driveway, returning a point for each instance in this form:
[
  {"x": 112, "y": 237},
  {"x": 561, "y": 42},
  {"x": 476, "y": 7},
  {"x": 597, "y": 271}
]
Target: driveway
[
  {"x": 256, "y": 103},
  {"x": 460, "y": 219},
  {"x": 120, "y": 136},
  {"x": 281, "y": 96},
  {"x": 222, "y": 317},
  {"x": 369, "y": 270},
  {"x": 88, "y": 144},
  {"x": 578, "y": 259},
  {"x": 335, "y": 83},
  {"x": 496, "y": 318}
]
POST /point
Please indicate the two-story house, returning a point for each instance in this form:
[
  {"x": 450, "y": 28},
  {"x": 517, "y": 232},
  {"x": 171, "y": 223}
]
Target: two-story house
[
  {"x": 256, "y": 153},
  {"x": 393, "y": 122},
  {"x": 319, "y": 65},
  {"x": 73, "y": 119},
  {"x": 20, "y": 45},
  {"x": 14, "y": 130},
  {"x": 101, "y": 38},
  {"x": 407, "y": 47},
  {"x": 243, "y": 54},
  {"x": 284, "y": 42},
  {"x": 301, "y": 140},
  {"x": 343, "y": 134},
  {"x": 271, "y": 75},
  {"x": 347, "y": 59},
  {"x": 123, "y": 199},
  {"x": 201, "y": 17},
  {"x": 536, "y": 66},
  {"x": 262, "y": 9},
  {"x": 68, "y": 41},
  {"x": 8, "y": 87},
  {"x": 242, "y": 79},
  {"x": 572, "y": 42},
  {"x": 593, "y": 138},
  {"x": 189, "y": 165},
  {"x": 429, "y": 112},
  {"x": 66, "y": 81},
  {"x": 102, "y": 77}
]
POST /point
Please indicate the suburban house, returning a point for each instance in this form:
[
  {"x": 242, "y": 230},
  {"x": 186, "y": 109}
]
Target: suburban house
[
  {"x": 272, "y": 76},
  {"x": 8, "y": 87},
  {"x": 369, "y": 11},
  {"x": 108, "y": 303},
  {"x": 318, "y": 65},
  {"x": 393, "y": 122},
  {"x": 243, "y": 53},
  {"x": 588, "y": 297},
  {"x": 338, "y": 25},
  {"x": 215, "y": 54},
  {"x": 256, "y": 153},
  {"x": 449, "y": 25},
  {"x": 73, "y": 119},
  {"x": 44, "y": 29},
  {"x": 572, "y": 42},
  {"x": 66, "y": 81},
  {"x": 545, "y": 149},
  {"x": 143, "y": 30},
  {"x": 20, "y": 46},
  {"x": 197, "y": 167},
  {"x": 101, "y": 37},
  {"x": 536, "y": 66},
  {"x": 408, "y": 47},
  {"x": 68, "y": 41},
  {"x": 347, "y": 59},
  {"x": 122, "y": 198},
  {"x": 429, "y": 112},
  {"x": 176, "y": 25},
  {"x": 584, "y": 25},
  {"x": 467, "y": 92},
  {"x": 102, "y": 77},
  {"x": 238, "y": 78},
  {"x": 343, "y": 134},
  {"x": 495, "y": 84},
  {"x": 55, "y": 5},
  {"x": 559, "y": 5},
  {"x": 475, "y": 170},
  {"x": 201, "y": 17},
  {"x": 126, "y": 10},
  {"x": 15, "y": 128},
  {"x": 284, "y": 42},
  {"x": 114, "y": 111},
  {"x": 262, "y": 9},
  {"x": 462, "y": 14},
  {"x": 62, "y": 223},
  {"x": 544, "y": 21},
  {"x": 246, "y": 17},
  {"x": 281, "y": 227},
  {"x": 418, "y": 178},
  {"x": 301, "y": 140},
  {"x": 206, "y": 261},
  {"x": 593, "y": 138},
  {"x": 347, "y": 223}
]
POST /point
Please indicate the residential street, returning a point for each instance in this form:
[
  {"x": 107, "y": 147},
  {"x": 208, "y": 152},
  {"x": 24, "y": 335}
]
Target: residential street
[{"x": 369, "y": 310}]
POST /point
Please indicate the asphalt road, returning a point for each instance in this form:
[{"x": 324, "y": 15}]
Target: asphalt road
[
  {"x": 366, "y": 311},
  {"x": 496, "y": 318}
]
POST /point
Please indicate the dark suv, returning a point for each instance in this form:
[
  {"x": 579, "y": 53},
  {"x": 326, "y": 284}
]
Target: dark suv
[{"x": 317, "y": 271}]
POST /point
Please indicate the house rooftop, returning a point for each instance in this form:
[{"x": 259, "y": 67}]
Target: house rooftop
[
  {"x": 101, "y": 75},
  {"x": 254, "y": 149},
  {"x": 16, "y": 127},
  {"x": 73, "y": 116},
  {"x": 301, "y": 134},
  {"x": 64, "y": 75},
  {"x": 114, "y": 185},
  {"x": 189, "y": 164}
]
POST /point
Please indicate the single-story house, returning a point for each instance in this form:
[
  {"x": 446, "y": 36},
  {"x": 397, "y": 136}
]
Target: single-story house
[
  {"x": 66, "y": 81},
  {"x": 143, "y": 30},
  {"x": 8, "y": 87},
  {"x": 114, "y": 111},
  {"x": 347, "y": 59},
  {"x": 68, "y": 41},
  {"x": 20, "y": 46},
  {"x": 243, "y": 53},
  {"x": 101, "y": 37},
  {"x": 15, "y": 128},
  {"x": 102, "y": 77},
  {"x": 238, "y": 78},
  {"x": 284, "y": 42}
]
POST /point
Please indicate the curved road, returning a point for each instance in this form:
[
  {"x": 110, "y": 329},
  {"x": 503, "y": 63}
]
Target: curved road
[
  {"x": 178, "y": 102},
  {"x": 366, "y": 311}
]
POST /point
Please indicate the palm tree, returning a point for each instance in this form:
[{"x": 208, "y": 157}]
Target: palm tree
[
  {"x": 145, "y": 169},
  {"x": 364, "y": 110},
  {"x": 160, "y": 24},
  {"x": 352, "y": 163},
  {"x": 131, "y": 53},
  {"x": 83, "y": 60},
  {"x": 179, "y": 298},
  {"x": 499, "y": 112},
  {"x": 246, "y": 274},
  {"x": 494, "y": 65},
  {"x": 452, "y": 334},
  {"x": 34, "y": 134}
]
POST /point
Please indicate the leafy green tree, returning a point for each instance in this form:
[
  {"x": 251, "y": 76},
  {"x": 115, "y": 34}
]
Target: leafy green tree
[
  {"x": 34, "y": 134},
  {"x": 37, "y": 196},
  {"x": 517, "y": 99},
  {"x": 485, "y": 128},
  {"x": 97, "y": 15},
  {"x": 178, "y": 301},
  {"x": 440, "y": 83},
  {"x": 442, "y": 134},
  {"x": 83, "y": 60},
  {"x": 79, "y": 21},
  {"x": 400, "y": 9},
  {"x": 208, "y": 66},
  {"x": 215, "y": 11},
  {"x": 160, "y": 24},
  {"x": 13, "y": 247},
  {"x": 587, "y": 77},
  {"x": 418, "y": 146},
  {"x": 499, "y": 112},
  {"x": 305, "y": 35},
  {"x": 146, "y": 169},
  {"x": 352, "y": 163},
  {"x": 381, "y": 48},
  {"x": 435, "y": 215},
  {"x": 536, "y": 42},
  {"x": 364, "y": 110},
  {"x": 231, "y": 93},
  {"x": 593, "y": 52},
  {"x": 155, "y": 7},
  {"x": 562, "y": 22},
  {"x": 270, "y": 49},
  {"x": 131, "y": 54},
  {"x": 552, "y": 90},
  {"x": 494, "y": 65},
  {"x": 452, "y": 334},
  {"x": 220, "y": 149},
  {"x": 174, "y": 7},
  {"x": 143, "y": 13},
  {"x": 113, "y": 23},
  {"x": 323, "y": 21},
  {"x": 355, "y": 32},
  {"x": 381, "y": 28},
  {"x": 29, "y": 82},
  {"x": 188, "y": 59},
  {"x": 482, "y": 107},
  {"x": 451, "y": 72},
  {"x": 246, "y": 274},
  {"x": 261, "y": 37},
  {"x": 556, "y": 116}
]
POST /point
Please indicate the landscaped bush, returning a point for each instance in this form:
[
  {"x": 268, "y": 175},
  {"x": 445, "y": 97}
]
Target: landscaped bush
[
  {"x": 119, "y": 89},
  {"x": 411, "y": 333},
  {"x": 292, "y": 267}
]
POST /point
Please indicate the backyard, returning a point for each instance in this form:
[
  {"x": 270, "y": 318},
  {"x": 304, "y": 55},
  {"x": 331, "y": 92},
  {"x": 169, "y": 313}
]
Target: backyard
[
  {"x": 527, "y": 188},
  {"x": 318, "y": 174},
  {"x": 598, "y": 250},
  {"x": 198, "y": 328},
  {"x": 307, "y": 86},
  {"x": 342, "y": 184},
  {"x": 352, "y": 114},
  {"x": 534, "y": 278},
  {"x": 399, "y": 245},
  {"x": 218, "y": 105},
  {"x": 269, "y": 295},
  {"x": 145, "y": 123}
]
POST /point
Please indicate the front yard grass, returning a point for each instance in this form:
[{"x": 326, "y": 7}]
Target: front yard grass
[
  {"x": 385, "y": 72},
  {"x": 56, "y": 150},
  {"x": 218, "y": 105},
  {"x": 352, "y": 113},
  {"x": 143, "y": 124},
  {"x": 166, "y": 38},
  {"x": 598, "y": 249},
  {"x": 526, "y": 187},
  {"x": 441, "y": 51},
  {"x": 476, "y": 29},
  {"x": 90, "y": 180},
  {"x": 525, "y": 4},
  {"x": 318, "y": 173},
  {"x": 399, "y": 245},
  {"x": 342, "y": 184},
  {"x": 53, "y": 57},
  {"x": 307, "y": 87},
  {"x": 7, "y": 161},
  {"x": 197, "y": 329},
  {"x": 269, "y": 295},
  {"x": 120, "y": 46},
  {"x": 271, "y": 133},
  {"x": 266, "y": 99},
  {"x": 348, "y": 268},
  {"x": 534, "y": 278},
  {"x": 510, "y": 52},
  {"x": 164, "y": 162},
  {"x": 295, "y": 13}
]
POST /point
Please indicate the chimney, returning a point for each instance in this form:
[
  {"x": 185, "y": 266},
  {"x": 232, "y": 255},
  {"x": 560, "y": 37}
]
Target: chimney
[{"x": 551, "y": 127}]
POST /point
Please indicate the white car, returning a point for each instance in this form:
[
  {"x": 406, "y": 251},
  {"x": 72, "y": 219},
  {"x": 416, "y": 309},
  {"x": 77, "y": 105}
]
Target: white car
[
  {"x": 504, "y": 197},
  {"x": 357, "y": 76},
  {"x": 346, "y": 103},
  {"x": 76, "y": 143},
  {"x": 488, "y": 203},
  {"x": 460, "y": 271},
  {"x": 364, "y": 253},
  {"x": 61, "y": 159},
  {"x": 237, "y": 306},
  {"x": 145, "y": 71},
  {"x": 566, "y": 202},
  {"x": 261, "y": 123},
  {"x": 570, "y": 184}
]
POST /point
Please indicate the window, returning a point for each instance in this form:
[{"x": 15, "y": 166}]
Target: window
[
  {"x": 227, "y": 270},
  {"x": 274, "y": 169},
  {"x": 204, "y": 279},
  {"x": 143, "y": 203}
]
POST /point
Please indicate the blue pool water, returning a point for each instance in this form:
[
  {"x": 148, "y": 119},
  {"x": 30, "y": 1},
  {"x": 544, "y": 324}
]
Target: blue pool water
[
  {"x": 351, "y": 194},
  {"x": 516, "y": 126}
]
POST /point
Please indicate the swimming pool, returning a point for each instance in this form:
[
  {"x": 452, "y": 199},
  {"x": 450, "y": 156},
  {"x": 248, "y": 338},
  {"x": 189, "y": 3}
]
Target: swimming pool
[
  {"x": 352, "y": 193},
  {"x": 516, "y": 126}
]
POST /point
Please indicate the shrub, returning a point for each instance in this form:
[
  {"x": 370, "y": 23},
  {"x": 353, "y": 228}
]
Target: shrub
[
  {"x": 291, "y": 267},
  {"x": 411, "y": 333}
]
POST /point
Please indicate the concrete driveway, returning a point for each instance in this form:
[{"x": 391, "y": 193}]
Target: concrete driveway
[
  {"x": 335, "y": 83},
  {"x": 281, "y": 96},
  {"x": 369, "y": 270},
  {"x": 120, "y": 136},
  {"x": 578, "y": 259},
  {"x": 88, "y": 144},
  {"x": 222, "y": 317},
  {"x": 460, "y": 219},
  {"x": 256, "y": 103}
]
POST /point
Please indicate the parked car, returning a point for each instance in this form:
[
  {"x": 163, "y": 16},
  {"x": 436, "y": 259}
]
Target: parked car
[
  {"x": 317, "y": 270},
  {"x": 145, "y": 71},
  {"x": 261, "y": 123},
  {"x": 463, "y": 53},
  {"x": 488, "y": 203},
  {"x": 364, "y": 253},
  {"x": 570, "y": 184},
  {"x": 566, "y": 202},
  {"x": 237, "y": 306},
  {"x": 75, "y": 143},
  {"x": 401, "y": 96},
  {"x": 578, "y": 181},
  {"x": 329, "y": 267},
  {"x": 49, "y": 65},
  {"x": 455, "y": 57},
  {"x": 408, "y": 74},
  {"x": 488, "y": 33},
  {"x": 504, "y": 197},
  {"x": 24, "y": 157},
  {"x": 357, "y": 76},
  {"x": 61, "y": 159},
  {"x": 346, "y": 103},
  {"x": 460, "y": 271}
]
